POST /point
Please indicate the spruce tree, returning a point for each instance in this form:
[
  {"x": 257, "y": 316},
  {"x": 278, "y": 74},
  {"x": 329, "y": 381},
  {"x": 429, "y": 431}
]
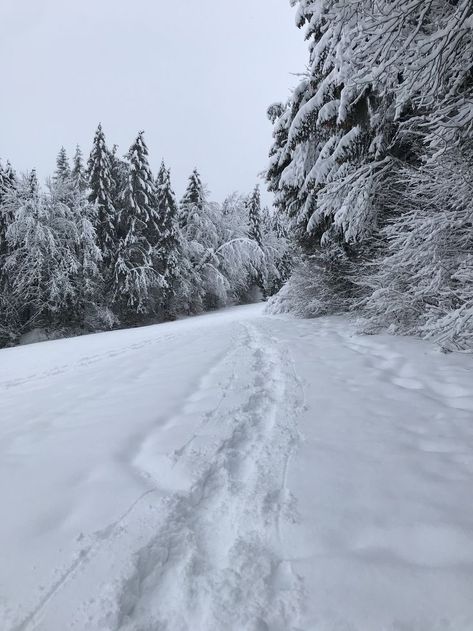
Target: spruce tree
[
  {"x": 332, "y": 154},
  {"x": 254, "y": 216},
  {"x": 63, "y": 169},
  {"x": 119, "y": 169},
  {"x": 167, "y": 252},
  {"x": 136, "y": 282},
  {"x": 7, "y": 186},
  {"x": 101, "y": 186},
  {"x": 193, "y": 199},
  {"x": 140, "y": 192},
  {"x": 10, "y": 175},
  {"x": 254, "y": 233},
  {"x": 78, "y": 175}
]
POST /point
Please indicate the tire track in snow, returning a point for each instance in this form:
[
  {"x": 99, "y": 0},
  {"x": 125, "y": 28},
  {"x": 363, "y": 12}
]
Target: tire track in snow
[{"x": 217, "y": 561}]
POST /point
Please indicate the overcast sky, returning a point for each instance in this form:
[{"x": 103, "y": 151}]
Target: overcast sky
[{"x": 196, "y": 75}]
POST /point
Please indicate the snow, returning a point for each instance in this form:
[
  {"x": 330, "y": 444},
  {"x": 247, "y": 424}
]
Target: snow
[{"x": 236, "y": 471}]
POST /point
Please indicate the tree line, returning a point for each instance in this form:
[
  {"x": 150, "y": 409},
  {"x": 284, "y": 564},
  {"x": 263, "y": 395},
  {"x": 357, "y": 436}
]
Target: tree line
[
  {"x": 372, "y": 162},
  {"x": 106, "y": 244}
]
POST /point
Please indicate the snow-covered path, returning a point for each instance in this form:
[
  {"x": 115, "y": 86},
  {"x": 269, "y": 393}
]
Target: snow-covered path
[{"x": 236, "y": 472}]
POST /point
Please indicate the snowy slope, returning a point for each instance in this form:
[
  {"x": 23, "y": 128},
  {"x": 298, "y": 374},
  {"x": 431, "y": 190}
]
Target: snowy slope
[{"x": 236, "y": 472}]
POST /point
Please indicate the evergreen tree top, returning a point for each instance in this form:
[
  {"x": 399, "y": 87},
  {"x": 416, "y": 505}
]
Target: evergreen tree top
[
  {"x": 194, "y": 194},
  {"x": 63, "y": 169},
  {"x": 140, "y": 190},
  {"x": 33, "y": 184},
  {"x": 99, "y": 171},
  {"x": 254, "y": 215},
  {"x": 78, "y": 171}
]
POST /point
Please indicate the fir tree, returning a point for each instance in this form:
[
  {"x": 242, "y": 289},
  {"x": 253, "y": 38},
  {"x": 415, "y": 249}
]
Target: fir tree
[
  {"x": 254, "y": 216},
  {"x": 101, "y": 186},
  {"x": 119, "y": 169},
  {"x": 78, "y": 175},
  {"x": 7, "y": 186},
  {"x": 254, "y": 233},
  {"x": 136, "y": 282},
  {"x": 193, "y": 199},
  {"x": 140, "y": 193},
  {"x": 63, "y": 169},
  {"x": 167, "y": 254}
]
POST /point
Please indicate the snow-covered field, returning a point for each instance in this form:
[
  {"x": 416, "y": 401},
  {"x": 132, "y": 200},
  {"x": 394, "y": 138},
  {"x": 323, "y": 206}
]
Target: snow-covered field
[{"x": 236, "y": 472}]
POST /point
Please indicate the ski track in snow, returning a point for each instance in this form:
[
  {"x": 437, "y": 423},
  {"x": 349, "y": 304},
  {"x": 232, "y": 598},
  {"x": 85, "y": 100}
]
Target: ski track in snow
[
  {"x": 213, "y": 561},
  {"x": 302, "y": 478}
]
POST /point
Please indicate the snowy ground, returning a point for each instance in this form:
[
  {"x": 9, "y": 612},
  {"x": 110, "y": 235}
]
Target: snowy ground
[{"x": 236, "y": 472}]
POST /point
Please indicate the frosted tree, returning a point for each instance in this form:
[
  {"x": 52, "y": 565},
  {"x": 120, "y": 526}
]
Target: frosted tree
[
  {"x": 217, "y": 246},
  {"x": 119, "y": 169},
  {"x": 63, "y": 168},
  {"x": 280, "y": 250},
  {"x": 78, "y": 174},
  {"x": 7, "y": 185},
  {"x": 42, "y": 261},
  {"x": 87, "y": 278},
  {"x": 424, "y": 281},
  {"x": 136, "y": 281},
  {"x": 168, "y": 258},
  {"x": 331, "y": 153},
  {"x": 101, "y": 186},
  {"x": 254, "y": 216},
  {"x": 254, "y": 233},
  {"x": 419, "y": 56},
  {"x": 193, "y": 199}
]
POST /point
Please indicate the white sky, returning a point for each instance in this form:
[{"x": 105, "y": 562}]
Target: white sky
[{"x": 196, "y": 75}]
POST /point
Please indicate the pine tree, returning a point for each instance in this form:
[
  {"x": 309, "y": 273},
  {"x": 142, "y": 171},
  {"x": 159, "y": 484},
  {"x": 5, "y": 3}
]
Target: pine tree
[
  {"x": 254, "y": 216},
  {"x": 78, "y": 175},
  {"x": 167, "y": 255},
  {"x": 101, "y": 186},
  {"x": 10, "y": 175},
  {"x": 193, "y": 199},
  {"x": 7, "y": 186},
  {"x": 140, "y": 194},
  {"x": 330, "y": 156},
  {"x": 119, "y": 169},
  {"x": 136, "y": 282},
  {"x": 254, "y": 233},
  {"x": 63, "y": 169}
]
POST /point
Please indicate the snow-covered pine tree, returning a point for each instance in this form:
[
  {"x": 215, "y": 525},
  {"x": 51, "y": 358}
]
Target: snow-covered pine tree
[
  {"x": 211, "y": 252},
  {"x": 119, "y": 169},
  {"x": 192, "y": 200},
  {"x": 136, "y": 282},
  {"x": 329, "y": 157},
  {"x": 101, "y": 186},
  {"x": 254, "y": 216},
  {"x": 63, "y": 168},
  {"x": 258, "y": 275},
  {"x": 280, "y": 251},
  {"x": 90, "y": 308},
  {"x": 78, "y": 174},
  {"x": 228, "y": 264},
  {"x": 7, "y": 183},
  {"x": 8, "y": 179},
  {"x": 168, "y": 258}
]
